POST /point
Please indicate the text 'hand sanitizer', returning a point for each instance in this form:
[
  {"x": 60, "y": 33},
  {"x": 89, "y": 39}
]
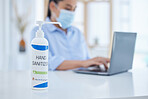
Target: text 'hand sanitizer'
[{"x": 39, "y": 47}]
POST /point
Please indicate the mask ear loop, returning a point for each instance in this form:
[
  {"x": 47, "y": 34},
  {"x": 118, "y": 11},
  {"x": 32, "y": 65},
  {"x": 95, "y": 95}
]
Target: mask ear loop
[
  {"x": 56, "y": 6},
  {"x": 54, "y": 15}
]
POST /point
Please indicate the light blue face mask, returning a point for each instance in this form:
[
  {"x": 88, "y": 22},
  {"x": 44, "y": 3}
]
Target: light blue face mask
[{"x": 66, "y": 18}]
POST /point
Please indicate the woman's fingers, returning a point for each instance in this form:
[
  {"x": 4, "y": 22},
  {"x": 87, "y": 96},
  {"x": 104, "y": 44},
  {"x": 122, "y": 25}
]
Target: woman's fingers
[
  {"x": 108, "y": 60},
  {"x": 105, "y": 62},
  {"x": 99, "y": 61},
  {"x": 96, "y": 63},
  {"x": 105, "y": 65}
]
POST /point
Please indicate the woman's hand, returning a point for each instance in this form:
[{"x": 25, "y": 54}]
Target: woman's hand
[
  {"x": 96, "y": 61},
  {"x": 72, "y": 64}
]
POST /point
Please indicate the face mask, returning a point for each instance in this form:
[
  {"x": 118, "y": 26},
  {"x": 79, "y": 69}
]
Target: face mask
[{"x": 65, "y": 18}]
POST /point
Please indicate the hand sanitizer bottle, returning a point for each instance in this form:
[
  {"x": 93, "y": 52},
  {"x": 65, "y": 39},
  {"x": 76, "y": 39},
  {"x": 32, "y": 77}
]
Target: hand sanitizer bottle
[{"x": 39, "y": 47}]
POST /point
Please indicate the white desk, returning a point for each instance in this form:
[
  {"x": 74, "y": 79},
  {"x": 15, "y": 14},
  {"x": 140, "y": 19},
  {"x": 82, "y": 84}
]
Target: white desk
[{"x": 69, "y": 85}]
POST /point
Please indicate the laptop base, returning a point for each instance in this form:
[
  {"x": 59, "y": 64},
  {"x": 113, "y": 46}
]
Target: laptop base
[{"x": 97, "y": 73}]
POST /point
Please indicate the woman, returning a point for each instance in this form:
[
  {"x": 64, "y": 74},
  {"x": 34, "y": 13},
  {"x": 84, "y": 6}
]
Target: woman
[{"x": 67, "y": 47}]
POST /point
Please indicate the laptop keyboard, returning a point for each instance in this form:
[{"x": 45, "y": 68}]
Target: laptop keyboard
[{"x": 93, "y": 69}]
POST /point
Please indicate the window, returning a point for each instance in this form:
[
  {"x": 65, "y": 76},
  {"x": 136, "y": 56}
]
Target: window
[
  {"x": 93, "y": 19},
  {"x": 132, "y": 15},
  {"x": 98, "y": 23},
  {"x": 39, "y": 10},
  {"x": 121, "y": 15},
  {"x": 79, "y": 17}
]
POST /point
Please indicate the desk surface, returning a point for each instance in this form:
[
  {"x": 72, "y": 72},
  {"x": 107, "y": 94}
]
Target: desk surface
[{"x": 69, "y": 85}]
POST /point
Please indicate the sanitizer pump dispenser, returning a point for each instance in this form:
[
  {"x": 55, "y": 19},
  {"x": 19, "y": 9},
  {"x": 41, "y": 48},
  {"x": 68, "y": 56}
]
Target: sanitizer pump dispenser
[{"x": 39, "y": 47}]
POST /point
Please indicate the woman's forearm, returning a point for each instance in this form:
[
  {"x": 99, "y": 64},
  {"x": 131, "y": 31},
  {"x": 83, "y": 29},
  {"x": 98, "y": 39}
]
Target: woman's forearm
[{"x": 70, "y": 64}]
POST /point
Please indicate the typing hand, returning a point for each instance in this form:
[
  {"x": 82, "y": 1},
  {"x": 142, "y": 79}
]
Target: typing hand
[{"x": 96, "y": 61}]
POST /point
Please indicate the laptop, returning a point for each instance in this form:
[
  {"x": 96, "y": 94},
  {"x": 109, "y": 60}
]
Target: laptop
[{"x": 121, "y": 57}]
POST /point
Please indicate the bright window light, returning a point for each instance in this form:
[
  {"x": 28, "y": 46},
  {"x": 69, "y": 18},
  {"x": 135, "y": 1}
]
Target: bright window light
[{"x": 39, "y": 10}]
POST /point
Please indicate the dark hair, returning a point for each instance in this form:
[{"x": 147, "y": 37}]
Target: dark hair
[{"x": 49, "y": 11}]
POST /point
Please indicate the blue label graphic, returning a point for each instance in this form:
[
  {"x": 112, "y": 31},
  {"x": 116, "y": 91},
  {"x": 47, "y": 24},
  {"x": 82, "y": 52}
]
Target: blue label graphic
[
  {"x": 40, "y": 47},
  {"x": 43, "y": 85}
]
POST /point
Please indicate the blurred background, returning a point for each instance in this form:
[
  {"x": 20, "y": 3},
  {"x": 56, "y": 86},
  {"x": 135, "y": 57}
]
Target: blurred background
[{"x": 97, "y": 19}]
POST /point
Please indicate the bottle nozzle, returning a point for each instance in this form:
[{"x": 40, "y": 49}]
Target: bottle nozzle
[
  {"x": 40, "y": 23},
  {"x": 40, "y": 33},
  {"x": 54, "y": 23}
]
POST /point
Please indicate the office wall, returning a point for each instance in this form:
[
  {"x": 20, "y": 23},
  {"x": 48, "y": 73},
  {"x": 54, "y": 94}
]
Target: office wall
[
  {"x": 4, "y": 33},
  {"x": 10, "y": 57},
  {"x": 21, "y": 60},
  {"x": 1, "y": 30}
]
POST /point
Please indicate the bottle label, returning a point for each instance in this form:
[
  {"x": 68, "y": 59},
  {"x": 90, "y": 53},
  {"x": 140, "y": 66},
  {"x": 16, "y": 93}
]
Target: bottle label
[{"x": 39, "y": 66}]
